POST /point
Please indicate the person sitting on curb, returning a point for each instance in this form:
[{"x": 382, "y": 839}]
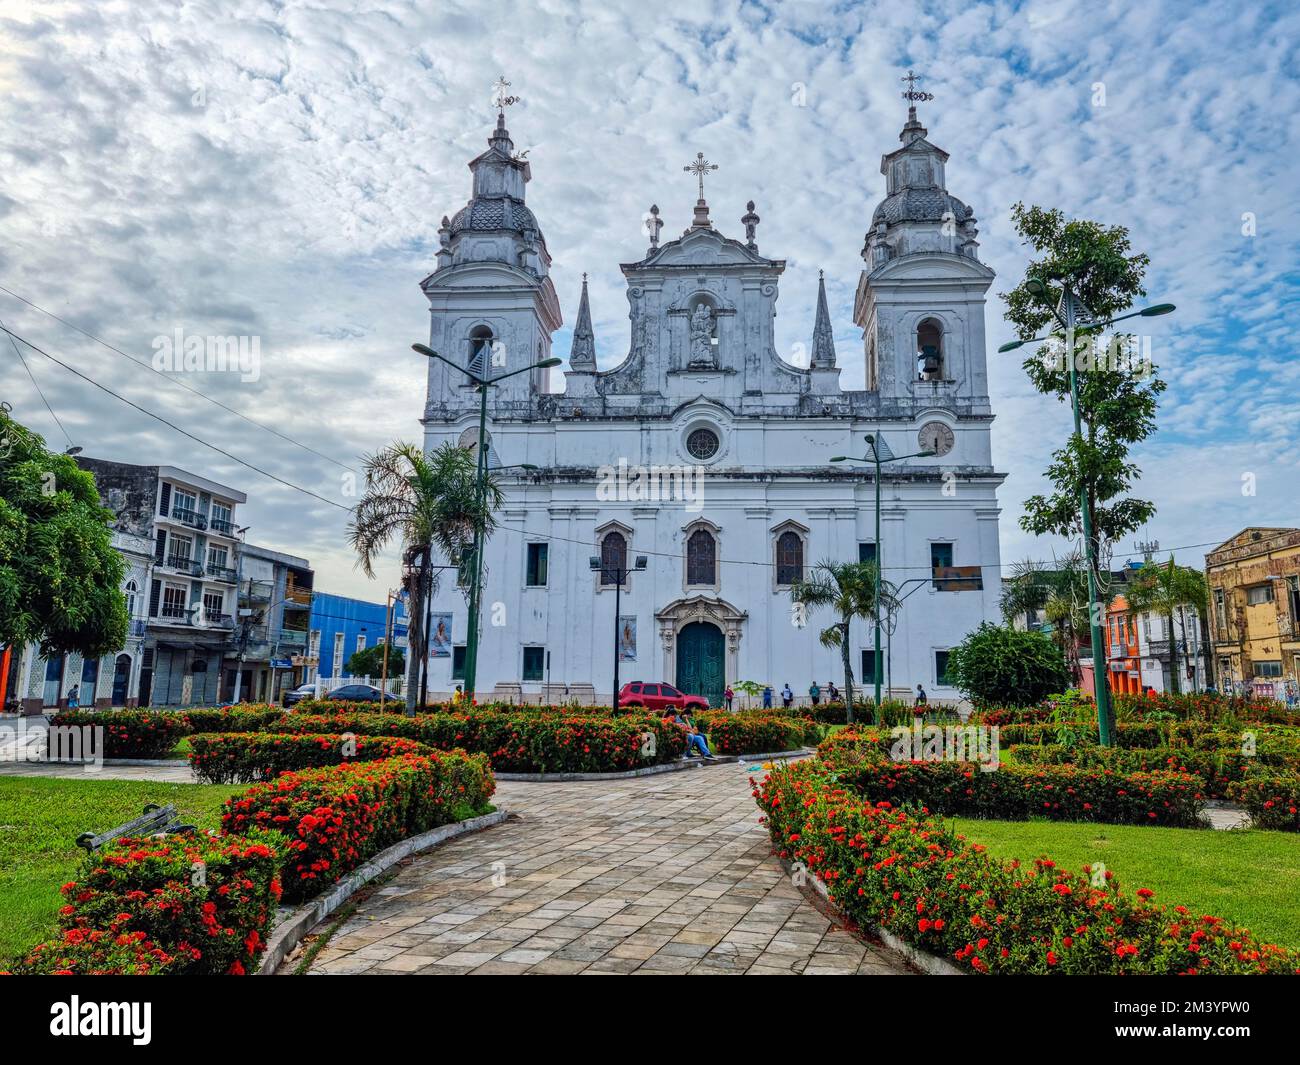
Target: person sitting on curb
[{"x": 694, "y": 738}]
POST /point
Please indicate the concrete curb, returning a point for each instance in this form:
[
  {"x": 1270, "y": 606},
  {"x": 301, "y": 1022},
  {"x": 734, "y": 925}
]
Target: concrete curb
[
  {"x": 290, "y": 931},
  {"x": 649, "y": 771},
  {"x": 930, "y": 964}
]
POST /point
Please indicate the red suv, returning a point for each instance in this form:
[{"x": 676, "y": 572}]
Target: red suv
[{"x": 659, "y": 697}]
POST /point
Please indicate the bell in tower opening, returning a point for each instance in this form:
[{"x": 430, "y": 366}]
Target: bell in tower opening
[{"x": 929, "y": 348}]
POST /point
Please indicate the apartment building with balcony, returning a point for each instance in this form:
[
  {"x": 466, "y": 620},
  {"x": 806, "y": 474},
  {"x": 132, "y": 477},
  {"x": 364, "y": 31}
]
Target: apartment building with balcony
[
  {"x": 178, "y": 534},
  {"x": 1254, "y": 581},
  {"x": 269, "y": 649}
]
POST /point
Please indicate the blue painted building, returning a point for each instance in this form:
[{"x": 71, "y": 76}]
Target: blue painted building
[{"x": 341, "y": 626}]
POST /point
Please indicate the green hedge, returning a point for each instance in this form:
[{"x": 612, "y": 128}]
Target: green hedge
[
  {"x": 243, "y": 757},
  {"x": 337, "y": 817},
  {"x": 139, "y": 908},
  {"x": 1217, "y": 768},
  {"x": 929, "y": 886},
  {"x": 748, "y": 732},
  {"x": 1274, "y": 802},
  {"x": 526, "y": 742}
]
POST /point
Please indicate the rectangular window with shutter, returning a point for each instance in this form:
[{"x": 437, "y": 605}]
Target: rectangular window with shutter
[
  {"x": 155, "y": 593},
  {"x": 160, "y": 545},
  {"x": 165, "y": 500}
]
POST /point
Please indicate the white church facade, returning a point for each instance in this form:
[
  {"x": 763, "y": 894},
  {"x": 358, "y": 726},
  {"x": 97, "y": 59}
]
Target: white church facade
[{"x": 708, "y": 455}]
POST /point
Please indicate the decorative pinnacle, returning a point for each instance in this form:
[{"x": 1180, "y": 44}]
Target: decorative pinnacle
[
  {"x": 913, "y": 94},
  {"x": 501, "y": 99}
]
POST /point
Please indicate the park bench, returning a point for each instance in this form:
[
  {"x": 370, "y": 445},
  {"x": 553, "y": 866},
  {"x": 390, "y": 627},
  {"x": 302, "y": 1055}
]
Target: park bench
[{"x": 155, "y": 820}]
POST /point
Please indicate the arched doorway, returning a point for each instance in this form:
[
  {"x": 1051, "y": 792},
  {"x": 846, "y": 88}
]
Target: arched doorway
[
  {"x": 701, "y": 661},
  {"x": 121, "y": 679}
]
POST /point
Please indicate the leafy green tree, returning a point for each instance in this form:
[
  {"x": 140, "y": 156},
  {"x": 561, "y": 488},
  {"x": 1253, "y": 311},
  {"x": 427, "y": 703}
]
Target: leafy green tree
[
  {"x": 426, "y": 502},
  {"x": 849, "y": 590},
  {"x": 1117, "y": 392},
  {"x": 61, "y": 578},
  {"x": 1162, "y": 590},
  {"x": 997, "y": 665},
  {"x": 369, "y": 661},
  {"x": 1060, "y": 592}
]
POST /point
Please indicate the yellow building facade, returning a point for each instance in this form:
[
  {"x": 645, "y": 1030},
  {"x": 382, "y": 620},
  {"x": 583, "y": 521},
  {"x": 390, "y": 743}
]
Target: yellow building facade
[{"x": 1254, "y": 581}]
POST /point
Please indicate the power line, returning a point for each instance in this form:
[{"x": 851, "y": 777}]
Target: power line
[
  {"x": 173, "y": 425},
  {"x": 173, "y": 379},
  {"x": 23, "y": 360}
]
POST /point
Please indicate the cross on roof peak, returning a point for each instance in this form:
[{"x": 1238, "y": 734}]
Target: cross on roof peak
[
  {"x": 699, "y": 168},
  {"x": 913, "y": 94}
]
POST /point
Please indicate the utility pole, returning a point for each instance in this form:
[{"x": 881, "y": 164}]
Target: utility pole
[{"x": 620, "y": 573}]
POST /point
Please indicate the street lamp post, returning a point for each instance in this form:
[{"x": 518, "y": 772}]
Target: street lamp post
[
  {"x": 476, "y": 582},
  {"x": 1073, "y": 315},
  {"x": 878, "y": 460},
  {"x": 620, "y": 574}
]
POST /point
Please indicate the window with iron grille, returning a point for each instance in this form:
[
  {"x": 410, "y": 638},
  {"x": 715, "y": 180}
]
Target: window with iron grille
[
  {"x": 701, "y": 558},
  {"x": 613, "y": 558},
  {"x": 534, "y": 662},
  {"x": 789, "y": 558},
  {"x": 702, "y": 443}
]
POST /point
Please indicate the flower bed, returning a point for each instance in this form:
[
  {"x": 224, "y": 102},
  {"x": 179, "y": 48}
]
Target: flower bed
[
  {"x": 528, "y": 742},
  {"x": 337, "y": 817},
  {"x": 1274, "y": 802},
  {"x": 1218, "y": 768},
  {"x": 750, "y": 733},
  {"x": 198, "y": 904},
  {"x": 909, "y": 874},
  {"x": 130, "y": 733},
  {"x": 1016, "y": 793},
  {"x": 243, "y": 757}
]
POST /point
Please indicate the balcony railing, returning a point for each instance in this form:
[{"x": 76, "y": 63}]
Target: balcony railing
[
  {"x": 221, "y": 573},
  {"x": 174, "y": 613},
  {"x": 138, "y": 627},
  {"x": 220, "y": 525},
  {"x": 217, "y": 618},
  {"x": 958, "y": 579},
  {"x": 189, "y": 517},
  {"x": 185, "y": 564}
]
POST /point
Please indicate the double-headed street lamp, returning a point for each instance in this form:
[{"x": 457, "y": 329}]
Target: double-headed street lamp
[
  {"x": 618, "y": 572},
  {"x": 1074, "y": 316},
  {"x": 878, "y": 460},
  {"x": 482, "y": 384}
]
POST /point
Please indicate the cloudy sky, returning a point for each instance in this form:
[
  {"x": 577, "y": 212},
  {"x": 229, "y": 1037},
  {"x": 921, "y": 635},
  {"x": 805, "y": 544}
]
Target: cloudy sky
[{"x": 279, "y": 169}]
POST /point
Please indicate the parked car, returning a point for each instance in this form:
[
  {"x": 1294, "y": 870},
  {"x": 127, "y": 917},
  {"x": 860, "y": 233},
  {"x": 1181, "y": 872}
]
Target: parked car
[
  {"x": 298, "y": 694},
  {"x": 357, "y": 693},
  {"x": 659, "y": 697}
]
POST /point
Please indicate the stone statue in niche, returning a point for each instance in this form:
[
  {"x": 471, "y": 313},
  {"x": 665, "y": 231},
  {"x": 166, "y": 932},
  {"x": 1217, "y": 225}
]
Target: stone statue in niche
[{"x": 702, "y": 324}]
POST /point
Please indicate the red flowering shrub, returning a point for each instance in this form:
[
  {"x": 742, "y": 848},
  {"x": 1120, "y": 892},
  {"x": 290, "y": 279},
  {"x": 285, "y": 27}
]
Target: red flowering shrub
[
  {"x": 524, "y": 742},
  {"x": 913, "y": 876},
  {"x": 130, "y": 733},
  {"x": 177, "y": 904},
  {"x": 1016, "y": 793},
  {"x": 751, "y": 733},
  {"x": 242, "y": 757},
  {"x": 1274, "y": 802},
  {"x": 246, "y": 717},
  {"x": 1218, "y": 768},
  {"x": 336, "y": 817}
]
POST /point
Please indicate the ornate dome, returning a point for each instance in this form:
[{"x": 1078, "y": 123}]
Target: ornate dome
[
  {"x": 494, "y": 212},
  {"x": 930, "y": 204}
]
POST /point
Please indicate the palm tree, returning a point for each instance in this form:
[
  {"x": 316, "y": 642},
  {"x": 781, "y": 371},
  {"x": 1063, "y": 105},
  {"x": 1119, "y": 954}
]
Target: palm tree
[
  {"x": 849, "y": 589},
  {"x": 427, "y": 502},
  {"x": 1162, "y": 589},
  {"x": 1061, "y": 593}
]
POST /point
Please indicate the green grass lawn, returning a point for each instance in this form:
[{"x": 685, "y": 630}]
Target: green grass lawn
[
  {"x": 40, "y": 819},
  {"x": 1247, "y": 877}
]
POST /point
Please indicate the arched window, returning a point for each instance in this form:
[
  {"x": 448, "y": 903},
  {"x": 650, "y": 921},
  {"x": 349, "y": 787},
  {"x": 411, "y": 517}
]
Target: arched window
[
  {"x": 789, "y": 558},
  {"x": 130, "y": 591},
  {"x": 701, "y": 558},
  {"x": 613, "y": 557},
  {"x": 480, "y": 349},
  {"x": 929, "y": 350}
]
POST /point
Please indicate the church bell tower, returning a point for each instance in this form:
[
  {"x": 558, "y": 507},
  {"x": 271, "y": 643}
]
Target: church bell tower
[{"x": 920, "y": 298}]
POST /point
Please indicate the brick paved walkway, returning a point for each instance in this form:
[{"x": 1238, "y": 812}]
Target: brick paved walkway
[{"x": 664, "y": 874}]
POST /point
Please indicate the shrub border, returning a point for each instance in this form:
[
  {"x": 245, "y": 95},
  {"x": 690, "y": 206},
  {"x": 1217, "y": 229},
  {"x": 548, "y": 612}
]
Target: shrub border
[{"x": 293, "y": 928}]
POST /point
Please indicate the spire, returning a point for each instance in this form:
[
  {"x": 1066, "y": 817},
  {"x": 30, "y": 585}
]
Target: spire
[
  {"x": 823, "y": 349},
  {"x": 582, "y": 354},
  {"x": 912, "y": 129}
]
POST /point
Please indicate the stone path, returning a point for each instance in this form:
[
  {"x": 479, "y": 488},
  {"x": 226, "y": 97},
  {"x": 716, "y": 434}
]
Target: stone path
[{"x": 665, "y": 874}]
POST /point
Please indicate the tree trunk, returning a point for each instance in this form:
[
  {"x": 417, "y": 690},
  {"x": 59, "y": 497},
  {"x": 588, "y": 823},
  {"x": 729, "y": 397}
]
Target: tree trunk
[
  {"x": 1173, "y": 655},
  {"x": 848, "y": 672},
  {"x": 415, "y": 591}
]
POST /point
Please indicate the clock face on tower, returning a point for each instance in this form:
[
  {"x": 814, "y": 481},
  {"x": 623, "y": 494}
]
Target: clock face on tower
[{"x": 936, "y": 437}]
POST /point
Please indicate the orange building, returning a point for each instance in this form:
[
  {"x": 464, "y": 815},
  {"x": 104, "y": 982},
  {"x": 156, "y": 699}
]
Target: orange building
[{"x": 1123, "y": 654}]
